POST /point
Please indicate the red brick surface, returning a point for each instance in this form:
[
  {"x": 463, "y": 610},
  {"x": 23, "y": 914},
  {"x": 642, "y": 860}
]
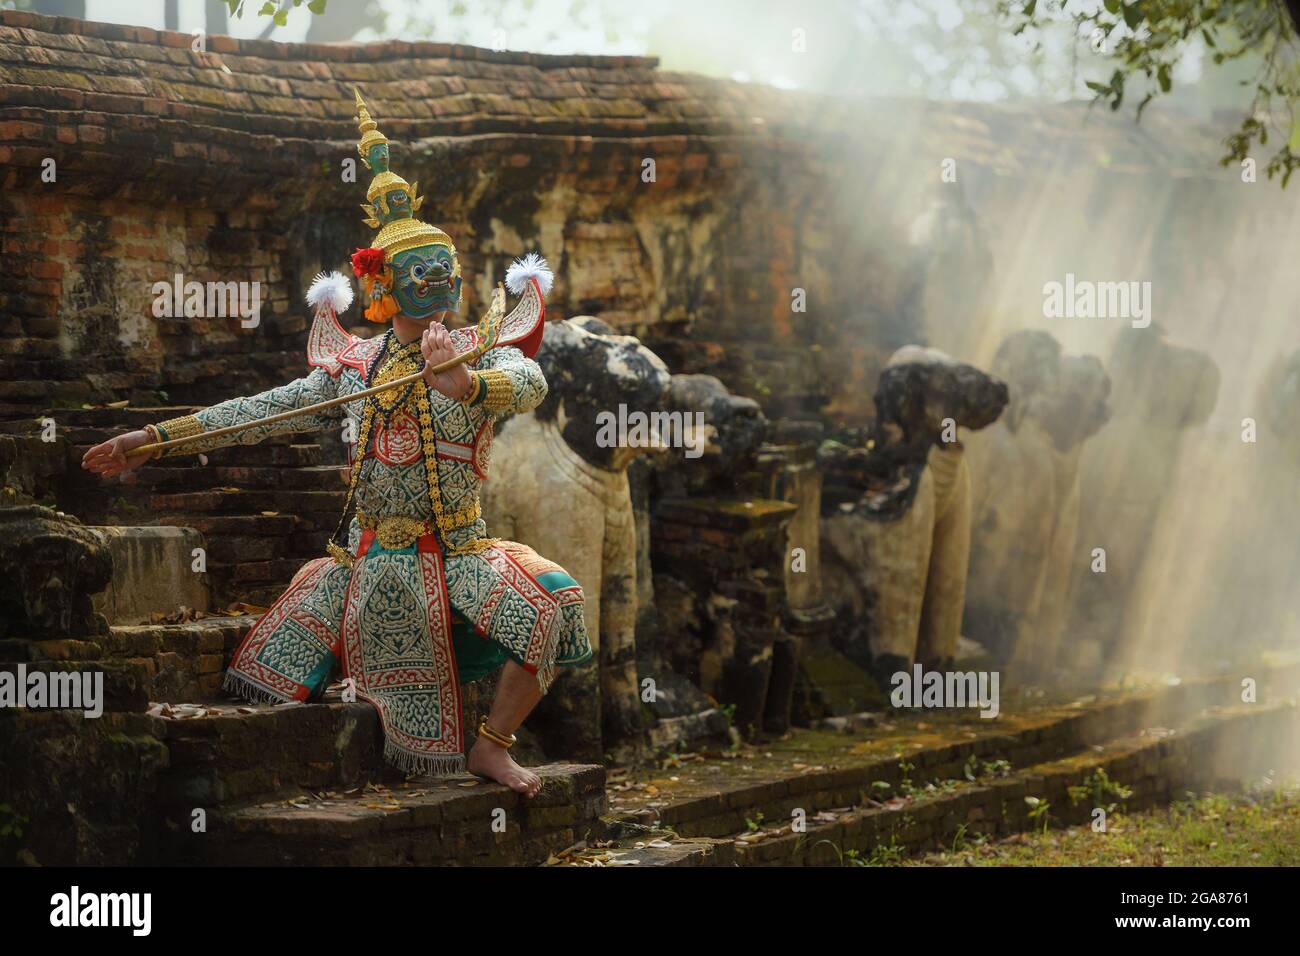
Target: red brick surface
[{"x": 165, "y": 163}]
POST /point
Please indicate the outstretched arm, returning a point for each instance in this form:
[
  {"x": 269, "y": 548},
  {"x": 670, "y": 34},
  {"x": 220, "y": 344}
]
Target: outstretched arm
[{"x": 110, "y": 458}]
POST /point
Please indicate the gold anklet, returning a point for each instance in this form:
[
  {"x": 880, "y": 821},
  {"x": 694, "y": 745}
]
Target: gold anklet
[{"x": 497, "y": 738}]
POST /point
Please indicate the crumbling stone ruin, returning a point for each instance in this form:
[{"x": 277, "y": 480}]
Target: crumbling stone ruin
[
  {"x": 55, "y": 566},
  {"x": 816, "y": 505}
]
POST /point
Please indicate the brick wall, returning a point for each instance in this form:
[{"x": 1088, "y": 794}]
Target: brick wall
[{"x": 225, "y": 165}]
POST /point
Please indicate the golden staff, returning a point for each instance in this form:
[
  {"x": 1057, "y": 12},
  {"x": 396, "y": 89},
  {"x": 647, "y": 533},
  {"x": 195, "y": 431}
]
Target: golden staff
[{"x": 488, "y": 328}]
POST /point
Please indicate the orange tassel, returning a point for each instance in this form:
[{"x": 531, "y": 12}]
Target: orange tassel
[{"x": 384, "y": 307}]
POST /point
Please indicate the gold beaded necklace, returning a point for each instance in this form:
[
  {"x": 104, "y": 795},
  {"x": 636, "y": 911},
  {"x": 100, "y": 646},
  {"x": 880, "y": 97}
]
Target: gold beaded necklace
[{"x": 397, "y": 361}]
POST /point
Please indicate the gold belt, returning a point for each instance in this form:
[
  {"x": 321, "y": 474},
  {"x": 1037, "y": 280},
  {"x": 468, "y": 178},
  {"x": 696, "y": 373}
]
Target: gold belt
[
  {"x": 395, "y": 533},
  {"x": 398, "y": 532}
]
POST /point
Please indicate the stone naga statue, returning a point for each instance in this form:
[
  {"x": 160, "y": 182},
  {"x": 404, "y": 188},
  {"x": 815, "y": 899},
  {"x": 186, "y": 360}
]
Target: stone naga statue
[
  {"x": 1274, "y": 491},
  {"x": 1160, "y": 392},
  {"x": 895, "y": 547},
  {"x": 558, "y": 484},
  {"x": 1256, "y": 561},
  {"x": 1025, "y": 499}
]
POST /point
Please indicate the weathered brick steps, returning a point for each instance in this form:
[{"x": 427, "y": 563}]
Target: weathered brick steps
[
  {"x": 146, "y": 662},
  {"x": 1217, "y": 750},
  {"x": 147, "y": 780},
  {"x": 231, "y": 762},
  {"x": 307, "y": 504},
  {"x": 192, "y": 477},
  {"x": 235, "y": 500},
  {"x": 240, "y": 754},
  {"x": 217, "y": 526},
  {"x": 442, "y": 823},
  {"x": 230, "y": 757},
  {"x": 726, "y": 810},
  {"x": 189, "y": 658}
]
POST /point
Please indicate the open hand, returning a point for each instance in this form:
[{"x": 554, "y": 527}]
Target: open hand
[
  {"x": 436, "y": 347},
  {"x": 109, "y": 458}
]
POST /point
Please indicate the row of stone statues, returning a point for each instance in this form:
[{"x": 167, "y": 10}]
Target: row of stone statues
[
  {"x": 1032, "y": 519},
  {"x": 1027, "y": 499},
  {"x": 1012, "y": 507}
]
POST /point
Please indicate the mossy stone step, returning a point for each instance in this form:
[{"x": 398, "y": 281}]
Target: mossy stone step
[
  {"x": 126, "y": 683},
  {"x": 1214, "y": 750},
  {"x": 453, "y": 820},
  {"x": 709, "y": 808}
]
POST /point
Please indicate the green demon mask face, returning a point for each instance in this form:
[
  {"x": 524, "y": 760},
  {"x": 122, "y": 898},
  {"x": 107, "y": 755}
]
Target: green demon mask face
[{"x": 426, "y": 280}]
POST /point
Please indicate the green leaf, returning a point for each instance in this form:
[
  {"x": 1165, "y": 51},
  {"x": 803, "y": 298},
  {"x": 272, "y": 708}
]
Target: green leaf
[
  {"x": 317, "y": 6},
  {"x": 267, "y": 10},
  {"x": 281, "y": 18}
]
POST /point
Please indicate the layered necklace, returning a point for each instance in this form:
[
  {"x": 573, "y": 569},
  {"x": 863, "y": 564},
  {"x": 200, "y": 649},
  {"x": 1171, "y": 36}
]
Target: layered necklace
[{"x": 392, "y": 361}]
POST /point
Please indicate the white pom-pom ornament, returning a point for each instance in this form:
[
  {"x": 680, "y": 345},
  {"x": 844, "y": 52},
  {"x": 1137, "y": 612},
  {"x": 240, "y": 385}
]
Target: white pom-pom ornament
[
  {"x": 332, "y": 289},
  {"x": 531, "y": 266}
]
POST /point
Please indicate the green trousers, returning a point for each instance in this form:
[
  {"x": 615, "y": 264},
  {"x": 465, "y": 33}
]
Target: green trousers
[{"x": 478, "y": 656}]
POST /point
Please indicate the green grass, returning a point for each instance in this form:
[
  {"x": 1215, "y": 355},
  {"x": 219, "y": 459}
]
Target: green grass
[{"x": 1259, "y": 829}]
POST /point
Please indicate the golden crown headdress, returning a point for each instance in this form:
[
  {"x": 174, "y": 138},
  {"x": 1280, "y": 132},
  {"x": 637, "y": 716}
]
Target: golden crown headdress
[{"x": 392, "y": 201}]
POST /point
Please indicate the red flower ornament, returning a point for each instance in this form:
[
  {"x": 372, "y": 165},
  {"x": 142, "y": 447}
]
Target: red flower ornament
[{"x": 367, "y": 262}]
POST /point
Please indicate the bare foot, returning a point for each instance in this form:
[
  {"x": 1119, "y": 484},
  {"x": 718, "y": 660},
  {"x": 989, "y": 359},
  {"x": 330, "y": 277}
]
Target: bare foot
[{"x": 487, "y": 759}]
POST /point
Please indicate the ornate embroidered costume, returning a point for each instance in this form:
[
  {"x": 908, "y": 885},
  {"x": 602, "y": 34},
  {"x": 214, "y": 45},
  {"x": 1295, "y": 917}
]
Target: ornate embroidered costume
[{"x": 418, "y": 598}]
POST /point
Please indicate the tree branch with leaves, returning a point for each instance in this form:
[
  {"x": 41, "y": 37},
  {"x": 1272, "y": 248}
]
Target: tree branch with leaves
[{"x": 1146, "y": 39}]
